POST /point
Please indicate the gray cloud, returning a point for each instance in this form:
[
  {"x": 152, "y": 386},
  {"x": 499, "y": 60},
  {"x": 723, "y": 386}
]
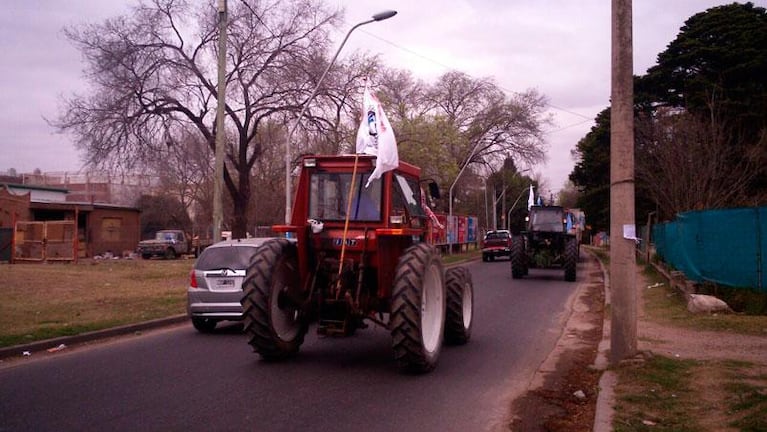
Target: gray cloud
[{"x": 559, "y": 47}]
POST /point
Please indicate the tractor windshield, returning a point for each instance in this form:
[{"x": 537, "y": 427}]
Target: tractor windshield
[
  {"x": 329, "y": 197},
  {"x": 547, "y": 220}
]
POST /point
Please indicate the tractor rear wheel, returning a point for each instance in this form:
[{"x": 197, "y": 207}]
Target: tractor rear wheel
[
  {"x": 460, "y": 305},
  {"x": 571, "y": 258},
  {"x": 418, "y": 309},
  {"x": 273, "y": 323},
  {"x": 518, "y": 267}
]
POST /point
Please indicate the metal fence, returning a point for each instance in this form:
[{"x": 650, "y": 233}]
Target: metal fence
[{"x": 727, "y": 246}]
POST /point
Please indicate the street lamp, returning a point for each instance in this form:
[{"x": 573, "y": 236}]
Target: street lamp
[
  {"x": 508, "y": 215},
  {"x": 503, "y": 196},
  {"x": 377, "y": 17},
  {"x": 450, "y": 194}
]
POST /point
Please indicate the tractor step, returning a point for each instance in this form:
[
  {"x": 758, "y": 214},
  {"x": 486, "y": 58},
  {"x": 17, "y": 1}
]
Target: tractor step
[{"x": 331, "y": 328}]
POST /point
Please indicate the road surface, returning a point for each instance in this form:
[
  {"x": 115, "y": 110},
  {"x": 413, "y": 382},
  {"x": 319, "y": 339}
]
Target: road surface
[{"x": 178, "y": 379}]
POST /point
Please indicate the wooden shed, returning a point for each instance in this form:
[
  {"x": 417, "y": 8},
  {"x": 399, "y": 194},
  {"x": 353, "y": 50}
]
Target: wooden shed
[{"x": 46, "y": 227}]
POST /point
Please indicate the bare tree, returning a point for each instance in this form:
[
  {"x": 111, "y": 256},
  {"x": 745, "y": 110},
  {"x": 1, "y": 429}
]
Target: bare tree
[
  {"x": 153, "y": 75},
  {"x": 185, "y": 169},
  {"x": 460, "y": 121},
  {"x": 687, "y": 163},
  {"x": 499, "y": 126}
]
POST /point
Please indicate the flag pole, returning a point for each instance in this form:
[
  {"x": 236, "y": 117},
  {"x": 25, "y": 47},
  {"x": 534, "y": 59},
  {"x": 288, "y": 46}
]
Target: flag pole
[{"x": 346, "y": 223}]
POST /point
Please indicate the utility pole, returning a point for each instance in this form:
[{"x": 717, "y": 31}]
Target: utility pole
[
  {"x": 623, "y": 323},
  {"x": 218, "y": 176}
]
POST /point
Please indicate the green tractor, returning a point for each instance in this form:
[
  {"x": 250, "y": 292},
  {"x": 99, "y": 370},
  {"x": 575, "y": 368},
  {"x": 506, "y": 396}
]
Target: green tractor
[
  {"x": 546, "y": 243},
  {"x": 356, "y": 254}
]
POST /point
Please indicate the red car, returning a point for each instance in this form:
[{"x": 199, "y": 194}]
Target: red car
[{"x": 495, "y": 244}]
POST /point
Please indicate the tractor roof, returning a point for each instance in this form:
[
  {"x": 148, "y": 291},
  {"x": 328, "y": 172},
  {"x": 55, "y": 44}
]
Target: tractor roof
[{"x": 364, "y": 161}]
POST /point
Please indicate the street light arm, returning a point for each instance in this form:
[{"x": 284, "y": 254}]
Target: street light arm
[
  {"x": 466, "y": 164},
  {"x": 377, "y": 17}
]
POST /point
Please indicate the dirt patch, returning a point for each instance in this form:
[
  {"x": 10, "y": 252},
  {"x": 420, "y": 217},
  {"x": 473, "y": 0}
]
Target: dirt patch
[
  {"x": 695, "y": 344},
  {"x": 726, "y": 374},
  {"x": 722, "y": 384},
  {"x": 563, "y": 394}
]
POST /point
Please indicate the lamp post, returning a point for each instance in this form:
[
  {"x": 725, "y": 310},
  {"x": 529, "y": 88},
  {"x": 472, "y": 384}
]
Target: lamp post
[
  {"x": 450, "y": 195},
  {"x": 508, "y": 215},
  {"x": 218, "y": 177},
  {"x": 503, "y": 196},
  {"x": 377, "y": 17}
]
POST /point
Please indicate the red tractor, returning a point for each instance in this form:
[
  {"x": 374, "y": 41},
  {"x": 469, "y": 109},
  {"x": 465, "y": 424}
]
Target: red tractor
[{"x": 356, "y": 253}]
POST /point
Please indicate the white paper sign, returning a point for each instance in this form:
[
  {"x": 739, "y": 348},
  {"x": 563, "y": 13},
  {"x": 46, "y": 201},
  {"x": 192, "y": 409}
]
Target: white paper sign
[{"x": 630, "y": 232}]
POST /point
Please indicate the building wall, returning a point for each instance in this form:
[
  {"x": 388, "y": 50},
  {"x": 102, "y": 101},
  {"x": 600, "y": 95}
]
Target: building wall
[
  {"x": 11, "y": 205},
  {"x": 112, "y": 230}
]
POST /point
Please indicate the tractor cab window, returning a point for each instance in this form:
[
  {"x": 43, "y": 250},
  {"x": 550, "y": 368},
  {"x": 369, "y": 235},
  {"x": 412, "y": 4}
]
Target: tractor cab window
[
  {"x": 547, "y": 221},
  {"x": 329, "y": 197},
  {"x": 407, "y": 196}
]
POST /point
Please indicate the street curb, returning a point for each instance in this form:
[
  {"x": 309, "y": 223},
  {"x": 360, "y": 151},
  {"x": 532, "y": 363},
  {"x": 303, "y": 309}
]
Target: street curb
[
  {"x": 18, "y": 350},
  {"x": 604, "y": 410}
]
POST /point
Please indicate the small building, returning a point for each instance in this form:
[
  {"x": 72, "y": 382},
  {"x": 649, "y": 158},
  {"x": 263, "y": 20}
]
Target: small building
[{"x": 46, "y": 226}]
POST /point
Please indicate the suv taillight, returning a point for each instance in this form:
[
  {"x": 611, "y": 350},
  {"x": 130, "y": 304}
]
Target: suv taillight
[{"x": 192, "y": 279}]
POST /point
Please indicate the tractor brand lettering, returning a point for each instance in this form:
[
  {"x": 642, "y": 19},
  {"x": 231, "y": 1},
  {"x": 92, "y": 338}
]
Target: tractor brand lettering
[{"x": 349, "y": 242}]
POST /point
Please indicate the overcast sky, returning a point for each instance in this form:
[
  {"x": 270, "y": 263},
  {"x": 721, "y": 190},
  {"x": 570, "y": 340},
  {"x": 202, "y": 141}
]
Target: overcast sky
[{"x": 559, "y": 47}]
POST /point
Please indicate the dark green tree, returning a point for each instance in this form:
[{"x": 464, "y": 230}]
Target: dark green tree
[
  {"x": 715, "y": 73},
  {"x": 591, "y": 174},
  {"x": 718, "y": 59}
]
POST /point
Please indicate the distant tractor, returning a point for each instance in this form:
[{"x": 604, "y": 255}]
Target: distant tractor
[
  {"x": 354, "y": 255},
  {"x": 545, "y": 243}
]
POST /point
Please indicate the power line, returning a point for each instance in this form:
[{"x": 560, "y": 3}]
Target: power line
[{"x": 410, "y": 51}]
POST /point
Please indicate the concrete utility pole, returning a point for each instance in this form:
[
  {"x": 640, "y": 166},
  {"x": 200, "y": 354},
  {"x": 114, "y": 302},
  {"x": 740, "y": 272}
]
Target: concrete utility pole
[
  {"x": 623, "y": 331},
  {"x": 218, "y": 176}
]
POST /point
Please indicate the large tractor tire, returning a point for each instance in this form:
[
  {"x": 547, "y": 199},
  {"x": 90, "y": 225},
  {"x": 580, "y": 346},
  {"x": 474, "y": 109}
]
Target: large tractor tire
[
  {"x": 460, "y": 305},
  {"x": 571, "y": 258},
  {"x": 273, "y": 323},
  {"x": 518, "y": 265},
  {"x": 418, "y": 309}
]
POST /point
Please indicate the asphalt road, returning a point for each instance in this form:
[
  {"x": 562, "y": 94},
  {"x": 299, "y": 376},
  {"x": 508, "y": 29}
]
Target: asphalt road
[{"x": 177, "y": 379}]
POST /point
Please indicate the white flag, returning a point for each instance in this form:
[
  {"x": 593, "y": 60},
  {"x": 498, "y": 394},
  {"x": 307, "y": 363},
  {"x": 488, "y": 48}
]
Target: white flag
[
  {"x": 531, "y": 198},
  {"x": 375, "y": 136}
]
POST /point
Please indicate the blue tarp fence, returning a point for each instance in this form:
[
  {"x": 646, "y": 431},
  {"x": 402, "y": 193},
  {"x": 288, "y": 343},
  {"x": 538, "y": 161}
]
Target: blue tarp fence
[{"x": 725, "y": 246}]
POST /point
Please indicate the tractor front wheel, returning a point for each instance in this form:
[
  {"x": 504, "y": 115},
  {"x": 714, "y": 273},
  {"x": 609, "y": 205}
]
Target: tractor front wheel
[
  {"x": 518, "y": 265},
  {"x": 571, "y": 258},
  {"x": 418, "y": 309},
  {"x": 273, "y": 322},
  {"x": 460, "y": 305}
]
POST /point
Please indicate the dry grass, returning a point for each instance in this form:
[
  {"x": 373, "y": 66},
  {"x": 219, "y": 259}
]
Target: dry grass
[
  {"x": 667, "y": 306},
  {"x": 665, "y": 394},
  {"x": 39, "y": 301}
]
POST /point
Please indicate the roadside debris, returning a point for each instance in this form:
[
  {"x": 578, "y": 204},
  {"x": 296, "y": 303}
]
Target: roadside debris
[{"x": 56, "y": 349}]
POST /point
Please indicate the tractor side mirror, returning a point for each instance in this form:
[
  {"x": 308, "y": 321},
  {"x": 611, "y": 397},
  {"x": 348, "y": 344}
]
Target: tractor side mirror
[{"x": 434, "y": 190}]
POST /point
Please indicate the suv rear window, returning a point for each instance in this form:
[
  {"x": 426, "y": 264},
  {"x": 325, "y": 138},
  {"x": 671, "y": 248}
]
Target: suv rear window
[
  {"x": 232, "y": 257},
  {"x": 497, "y": 236}
]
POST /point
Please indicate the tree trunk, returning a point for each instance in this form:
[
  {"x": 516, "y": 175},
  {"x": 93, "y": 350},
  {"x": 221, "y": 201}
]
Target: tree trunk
[{"x": 240, "y": 199}]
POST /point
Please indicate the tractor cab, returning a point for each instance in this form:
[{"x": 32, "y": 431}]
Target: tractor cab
[{"x": 546, "y": 219}]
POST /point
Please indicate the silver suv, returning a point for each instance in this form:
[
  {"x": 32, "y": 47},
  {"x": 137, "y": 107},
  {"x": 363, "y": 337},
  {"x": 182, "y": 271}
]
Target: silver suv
[{"x": 215, "y": 282}]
